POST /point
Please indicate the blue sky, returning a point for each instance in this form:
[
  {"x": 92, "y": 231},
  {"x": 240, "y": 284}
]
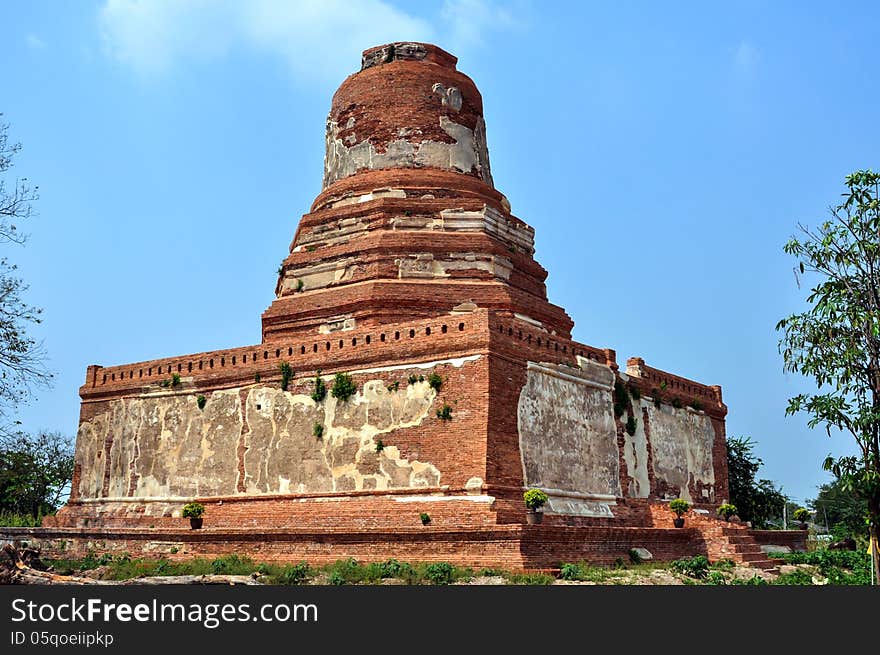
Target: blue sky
[{"x": 664, "y": 152}]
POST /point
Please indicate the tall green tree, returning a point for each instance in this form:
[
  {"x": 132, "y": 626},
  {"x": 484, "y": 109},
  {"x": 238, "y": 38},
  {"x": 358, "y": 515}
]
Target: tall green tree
[
  {"x": 842, "y": 512},
  {"x": 22, "y": 360},
  {"x": 758, "y": 501},
  {"x": 35, "y": 472},
  {"x": 836, "y": 341}
]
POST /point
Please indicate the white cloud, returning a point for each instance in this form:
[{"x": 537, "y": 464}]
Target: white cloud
[
  {"x": 745, "y": 59},
  {"x": 469, "y": 21},
  {"x": 34, "y": 42},
  {"x": 319, "y": 39},
  {"x": 316, "y": 38}
]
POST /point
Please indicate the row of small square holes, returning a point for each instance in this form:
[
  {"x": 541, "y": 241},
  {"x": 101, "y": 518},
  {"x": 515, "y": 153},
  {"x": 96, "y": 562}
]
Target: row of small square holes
[
  {"x": 529, "y": 340},
  {"x": 412, "y": 334}
]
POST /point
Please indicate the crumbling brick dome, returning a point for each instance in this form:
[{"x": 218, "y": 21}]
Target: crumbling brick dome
[{"x": 408, "y": 107}]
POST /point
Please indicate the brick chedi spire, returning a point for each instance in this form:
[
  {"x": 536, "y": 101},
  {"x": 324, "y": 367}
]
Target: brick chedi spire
[
  {"x": 408, "y": 224},
  {"x": 449, "y": 384}
]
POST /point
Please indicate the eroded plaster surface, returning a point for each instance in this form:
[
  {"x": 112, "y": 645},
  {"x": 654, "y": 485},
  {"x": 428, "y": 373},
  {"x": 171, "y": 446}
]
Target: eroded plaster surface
[
  {"x": 681, "y": 449},
  {"x": 163, "y": 445},
  {"x": 567, "y": 433},
  {"x": 466, "y": 152}
]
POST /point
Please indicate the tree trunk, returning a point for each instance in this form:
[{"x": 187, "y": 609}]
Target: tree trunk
[{"x": 874, "y": 547}]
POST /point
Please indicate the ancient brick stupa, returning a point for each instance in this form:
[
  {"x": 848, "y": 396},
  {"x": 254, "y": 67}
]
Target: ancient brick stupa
[{"x": 411, "y": 276}]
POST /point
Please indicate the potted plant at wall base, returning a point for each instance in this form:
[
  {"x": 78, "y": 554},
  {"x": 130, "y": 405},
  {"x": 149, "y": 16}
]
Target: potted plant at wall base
[
  {"x": 802, "y": 514},
  {"x": 726, "y": 510},
  {"x": 679, "y": 506},
  {"x": 193, "y": 512},
  {"x": 534, "y": 499}
]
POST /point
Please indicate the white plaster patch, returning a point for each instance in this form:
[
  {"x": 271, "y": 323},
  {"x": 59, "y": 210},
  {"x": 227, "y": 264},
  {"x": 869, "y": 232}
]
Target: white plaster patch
[
  {"x": 681, "y": 447},
  {"x": 567, "y": 433},
  {"x": 635, "y": 454},
  {"x": 579, "y": 507}
]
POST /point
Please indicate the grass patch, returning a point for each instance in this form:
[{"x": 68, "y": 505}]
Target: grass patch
[{"x": 15, "y": 520}]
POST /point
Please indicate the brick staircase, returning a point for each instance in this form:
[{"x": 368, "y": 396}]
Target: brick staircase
[{"x": 734, "y": 543}]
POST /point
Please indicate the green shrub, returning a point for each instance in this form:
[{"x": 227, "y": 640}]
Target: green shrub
[
  {"x": 233, "y": 565},
  {"x": 394, "y": 386},
  {"x": 531, "y": 579},
  {"x": 726, "y": 510},
  {"x": 679, "y": 506},
  {"x": 534, "y": 498},
  {"x": 569, "y": 571},
  {"x": 799, "y": 577},
  {"x": 631, "y": 426},
  {"x": 391, "y": 568},
  {"x": 440, "y": 573},
  {"x": 634, "y": 392},
  {"x": 201, "y": 401},
  {"x": 299, "y": 285},
  {"x": 346, "y": 571},
  {"x": 292, "y": 574},
  {"x": 693, "y": 567},
  {"x": 802, "y": 514},
  {"x": 435, "y": 381},
  {"x": 412, "y": 379},
  {"x": 286, "y": 372},
  {"x": 318, "y": 430},
  {"x": 634, "y": 556},
  {"x": 676, "y": 402},
  {"x": 14, "y": 519},
  {"x": 697, "y": 405},
  {"x": 193, "y": 511},
  {"x": 755, "y": 580},
  {"x": 425, "y": 518},
  {"x": 256, "y": 377},
  {"x": 343, "y": 387},
  {"x": 716, "y": 578},
  {"x": 445, "y": 413},
  {"x": 319, "y": 392},
  {"x": 379, "y": 446}
]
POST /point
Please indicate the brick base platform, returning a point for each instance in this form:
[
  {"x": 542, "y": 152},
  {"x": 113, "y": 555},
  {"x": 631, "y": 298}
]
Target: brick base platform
[{"x": 513, "y": 547}]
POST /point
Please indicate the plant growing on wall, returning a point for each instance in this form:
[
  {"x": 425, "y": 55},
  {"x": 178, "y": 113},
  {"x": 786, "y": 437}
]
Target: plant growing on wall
[
  {"x": 343, "y": 387},
  {"x": 620, "y": 398},
  {"x": 257, "y": 377},
  {"x": 318, "y": 430},
  {"x": 174, "y": 381},
  {"x": 379, "y": 446},
  {"x": 445, "y": 413},
  {"x": 425, "y": 518},
  {"x": 435, "y": 381},
  {"x": 631, "y": 426},
  {"x": 300, "y": 284},
  {"x": 696, "y": 404},
  {"x": 676, "y": 402},
  {"x": 394, "y": 386},
  {"x": 319, "y": 392},
  {"x": 634, "y": 392},
  {"x": 286, "y": 373},
  {"x": 201, "y": 401}
]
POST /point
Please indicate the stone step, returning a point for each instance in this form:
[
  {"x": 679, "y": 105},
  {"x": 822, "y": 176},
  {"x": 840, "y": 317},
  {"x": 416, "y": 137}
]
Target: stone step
[{"x": 751, "y": 557}]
